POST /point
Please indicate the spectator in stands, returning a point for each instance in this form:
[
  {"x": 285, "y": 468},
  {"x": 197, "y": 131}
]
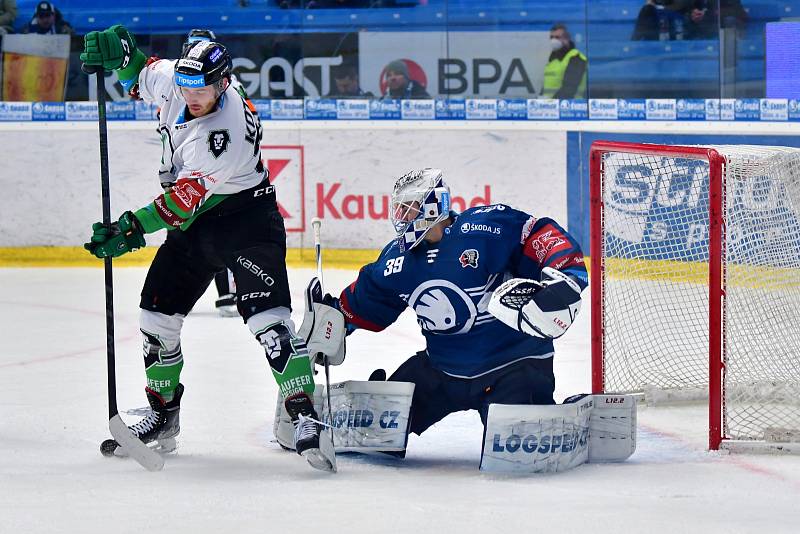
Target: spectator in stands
[
  {"x": 399, "y": 84},
  {"x": 345, "y": 79},
  {"x": 705, "y": 17},
  {"x": 661, "y": 19},
  {"x": 565, "y": 72},
  {"x": 8, "y": 13},
  {"x": 47, "y": 20}
]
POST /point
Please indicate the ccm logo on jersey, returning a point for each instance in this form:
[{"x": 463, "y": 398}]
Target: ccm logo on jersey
[
  {"x": 264, "y": 191},
  {"x": 255, "y": 295}
]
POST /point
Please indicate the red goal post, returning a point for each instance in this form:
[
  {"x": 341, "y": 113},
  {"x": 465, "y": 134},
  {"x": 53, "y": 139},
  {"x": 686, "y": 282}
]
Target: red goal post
[{"x": 683, "y": 272}]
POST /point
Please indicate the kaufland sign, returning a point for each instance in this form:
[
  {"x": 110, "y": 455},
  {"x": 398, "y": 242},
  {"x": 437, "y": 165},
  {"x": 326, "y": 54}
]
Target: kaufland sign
[
  {"x": 335, "y": 200},
  {"x": 345, "y": 176},
  {"x": 285, "y": 165}
]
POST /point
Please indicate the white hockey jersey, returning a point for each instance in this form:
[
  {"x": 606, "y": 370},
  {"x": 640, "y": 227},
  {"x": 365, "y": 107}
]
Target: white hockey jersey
[{"x": 217, "y": 154}]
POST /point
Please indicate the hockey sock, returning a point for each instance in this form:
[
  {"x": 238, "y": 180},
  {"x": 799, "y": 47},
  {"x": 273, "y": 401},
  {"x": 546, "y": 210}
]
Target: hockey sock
[
  {"x": 288, "y": 358},
  {"x": 163, "y": 358},
  {"x": 286, "y": 353},
  {"x": 162, "y": 366}
]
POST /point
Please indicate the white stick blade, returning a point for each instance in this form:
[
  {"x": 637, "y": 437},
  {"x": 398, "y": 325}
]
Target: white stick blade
[{"x": 150, "y": 460}]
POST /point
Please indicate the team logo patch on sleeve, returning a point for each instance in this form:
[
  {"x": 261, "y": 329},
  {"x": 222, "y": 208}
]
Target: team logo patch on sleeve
[
  {"x": 469, "y": 258},
  {"x": 547, "y": 242},
  {"x": 218, "y": 141},
  {"x": 187, "y": 193}
]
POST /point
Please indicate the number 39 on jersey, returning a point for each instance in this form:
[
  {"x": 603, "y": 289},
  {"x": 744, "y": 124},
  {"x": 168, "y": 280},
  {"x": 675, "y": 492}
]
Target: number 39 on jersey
[{"x": 394, "y": 265}]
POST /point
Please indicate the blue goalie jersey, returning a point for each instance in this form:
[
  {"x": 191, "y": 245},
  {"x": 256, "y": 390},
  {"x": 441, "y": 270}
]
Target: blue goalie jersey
[{"x": 448, "y": 285}]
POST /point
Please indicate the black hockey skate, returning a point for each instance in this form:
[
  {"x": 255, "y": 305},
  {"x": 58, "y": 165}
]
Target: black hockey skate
[
  {"x": 158, "y": 428},
  {"x": 226, "y": 305},
  {"x": 310, "y": 440}
]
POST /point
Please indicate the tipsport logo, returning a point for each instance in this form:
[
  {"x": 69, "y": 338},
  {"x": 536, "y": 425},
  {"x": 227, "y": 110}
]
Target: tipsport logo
[{"x": 189, "y": 81}]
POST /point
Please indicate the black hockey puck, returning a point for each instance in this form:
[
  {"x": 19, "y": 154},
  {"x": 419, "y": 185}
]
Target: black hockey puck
[{"x": 108, "y": 447}]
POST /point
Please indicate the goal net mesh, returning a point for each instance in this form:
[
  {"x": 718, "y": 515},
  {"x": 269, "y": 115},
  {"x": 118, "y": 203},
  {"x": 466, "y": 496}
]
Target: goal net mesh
[{"x": 655, "y": 243}]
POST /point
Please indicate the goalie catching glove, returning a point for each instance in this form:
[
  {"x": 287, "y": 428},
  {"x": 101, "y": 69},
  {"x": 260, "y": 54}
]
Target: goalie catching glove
[
  {"x": 323, "y": 327},
  {"x": 541, "y": 309}
]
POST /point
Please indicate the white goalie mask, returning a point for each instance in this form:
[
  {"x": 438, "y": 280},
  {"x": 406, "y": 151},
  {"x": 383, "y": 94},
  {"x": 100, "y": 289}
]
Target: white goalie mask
[{"x": 420, "y": 199}]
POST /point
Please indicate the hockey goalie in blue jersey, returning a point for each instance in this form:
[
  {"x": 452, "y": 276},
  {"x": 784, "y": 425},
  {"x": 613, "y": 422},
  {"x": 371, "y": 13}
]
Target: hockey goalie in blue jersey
[{"x": 491, "y": 288}]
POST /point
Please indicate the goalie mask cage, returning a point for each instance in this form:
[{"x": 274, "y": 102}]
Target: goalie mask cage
[{"x": 695, "y": 283}]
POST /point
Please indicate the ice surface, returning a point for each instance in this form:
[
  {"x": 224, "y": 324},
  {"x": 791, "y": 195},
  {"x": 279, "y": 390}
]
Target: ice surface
[{"x": 228, "y": 476}]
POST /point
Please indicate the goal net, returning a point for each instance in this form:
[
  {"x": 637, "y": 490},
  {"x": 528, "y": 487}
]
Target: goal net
[{"x": 695, "y": 275}]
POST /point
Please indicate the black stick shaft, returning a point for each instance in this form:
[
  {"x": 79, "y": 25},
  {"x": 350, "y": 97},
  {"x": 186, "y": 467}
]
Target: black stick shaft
[{"x": 106, "y": 197}]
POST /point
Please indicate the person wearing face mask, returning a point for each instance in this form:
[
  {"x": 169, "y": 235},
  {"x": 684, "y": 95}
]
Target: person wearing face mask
[{"x": 565, "y": 72}]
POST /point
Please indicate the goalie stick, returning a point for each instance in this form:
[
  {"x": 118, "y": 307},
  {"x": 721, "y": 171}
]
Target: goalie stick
[
  {"x": 316, "y": 223},
  {"x": 147, "y": 458}
]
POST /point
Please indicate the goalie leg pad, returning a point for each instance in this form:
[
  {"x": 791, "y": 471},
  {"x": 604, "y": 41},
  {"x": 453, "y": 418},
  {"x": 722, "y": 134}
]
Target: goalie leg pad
[
  {"x": 612, "y": 428},
  {"x": 536, "y": 439},
  {"x": 367, "y": 416}
]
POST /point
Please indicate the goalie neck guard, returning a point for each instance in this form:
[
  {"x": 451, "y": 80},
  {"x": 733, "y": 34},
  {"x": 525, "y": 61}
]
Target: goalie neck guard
[
  {"x": 204, "y": 63},
  {"x": 420, "y": 199}
]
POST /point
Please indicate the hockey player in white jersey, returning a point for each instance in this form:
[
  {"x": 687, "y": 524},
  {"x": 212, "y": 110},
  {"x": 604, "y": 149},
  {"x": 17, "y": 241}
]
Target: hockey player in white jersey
[
  {"x": 220, "y": 212},
  {"x": 223, "y": 280}
]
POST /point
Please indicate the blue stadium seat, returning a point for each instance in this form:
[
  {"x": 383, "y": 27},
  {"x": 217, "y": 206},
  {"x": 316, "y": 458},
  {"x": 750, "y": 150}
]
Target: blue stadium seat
[
  {"x": 616, "y": 11},
  {"x": 765, "y": 10}
]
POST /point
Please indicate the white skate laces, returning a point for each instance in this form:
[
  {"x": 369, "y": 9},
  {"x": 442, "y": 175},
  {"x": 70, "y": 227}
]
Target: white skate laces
[
  {"x": 145, "y": 425},
  {"x": 306, "y": 429}
]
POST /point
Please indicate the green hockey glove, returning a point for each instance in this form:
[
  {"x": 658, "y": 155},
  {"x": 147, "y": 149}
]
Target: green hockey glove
[
  {"x": 114, "y": 49},
  {"x": 116, "y": 239}
]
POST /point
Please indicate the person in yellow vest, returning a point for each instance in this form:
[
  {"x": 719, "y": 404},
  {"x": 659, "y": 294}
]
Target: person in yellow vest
[{"x": 565, "y": 72}]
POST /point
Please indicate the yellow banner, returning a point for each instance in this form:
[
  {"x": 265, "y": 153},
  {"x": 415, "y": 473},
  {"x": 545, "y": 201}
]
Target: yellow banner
[{"x": 29, "y": 78}]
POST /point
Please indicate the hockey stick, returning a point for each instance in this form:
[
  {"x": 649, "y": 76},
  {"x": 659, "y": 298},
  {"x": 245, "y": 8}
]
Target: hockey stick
[
  {"x": 150, "y": 460},
  {"x": 316, "y": 223}
]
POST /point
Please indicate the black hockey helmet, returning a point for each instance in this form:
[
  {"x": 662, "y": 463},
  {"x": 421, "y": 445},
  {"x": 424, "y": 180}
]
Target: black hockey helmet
[
  {"x": 204, "y": 63},
  {"x": 197, "y": 35}
]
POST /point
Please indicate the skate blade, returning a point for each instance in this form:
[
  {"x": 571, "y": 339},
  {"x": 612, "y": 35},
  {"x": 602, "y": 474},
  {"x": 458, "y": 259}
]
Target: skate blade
[
  {"x": 161, "y": 446},
  {"x": 228, "y": 311},
  {"x": 317, "y": 459},
  {"x": 323, "y": 458}
]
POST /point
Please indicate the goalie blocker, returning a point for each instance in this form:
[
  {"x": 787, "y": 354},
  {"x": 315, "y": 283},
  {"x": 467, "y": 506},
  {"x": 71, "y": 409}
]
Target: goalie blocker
[
  {"x": 368, "y": 416},
  {"x": 555, "y": 438}
]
